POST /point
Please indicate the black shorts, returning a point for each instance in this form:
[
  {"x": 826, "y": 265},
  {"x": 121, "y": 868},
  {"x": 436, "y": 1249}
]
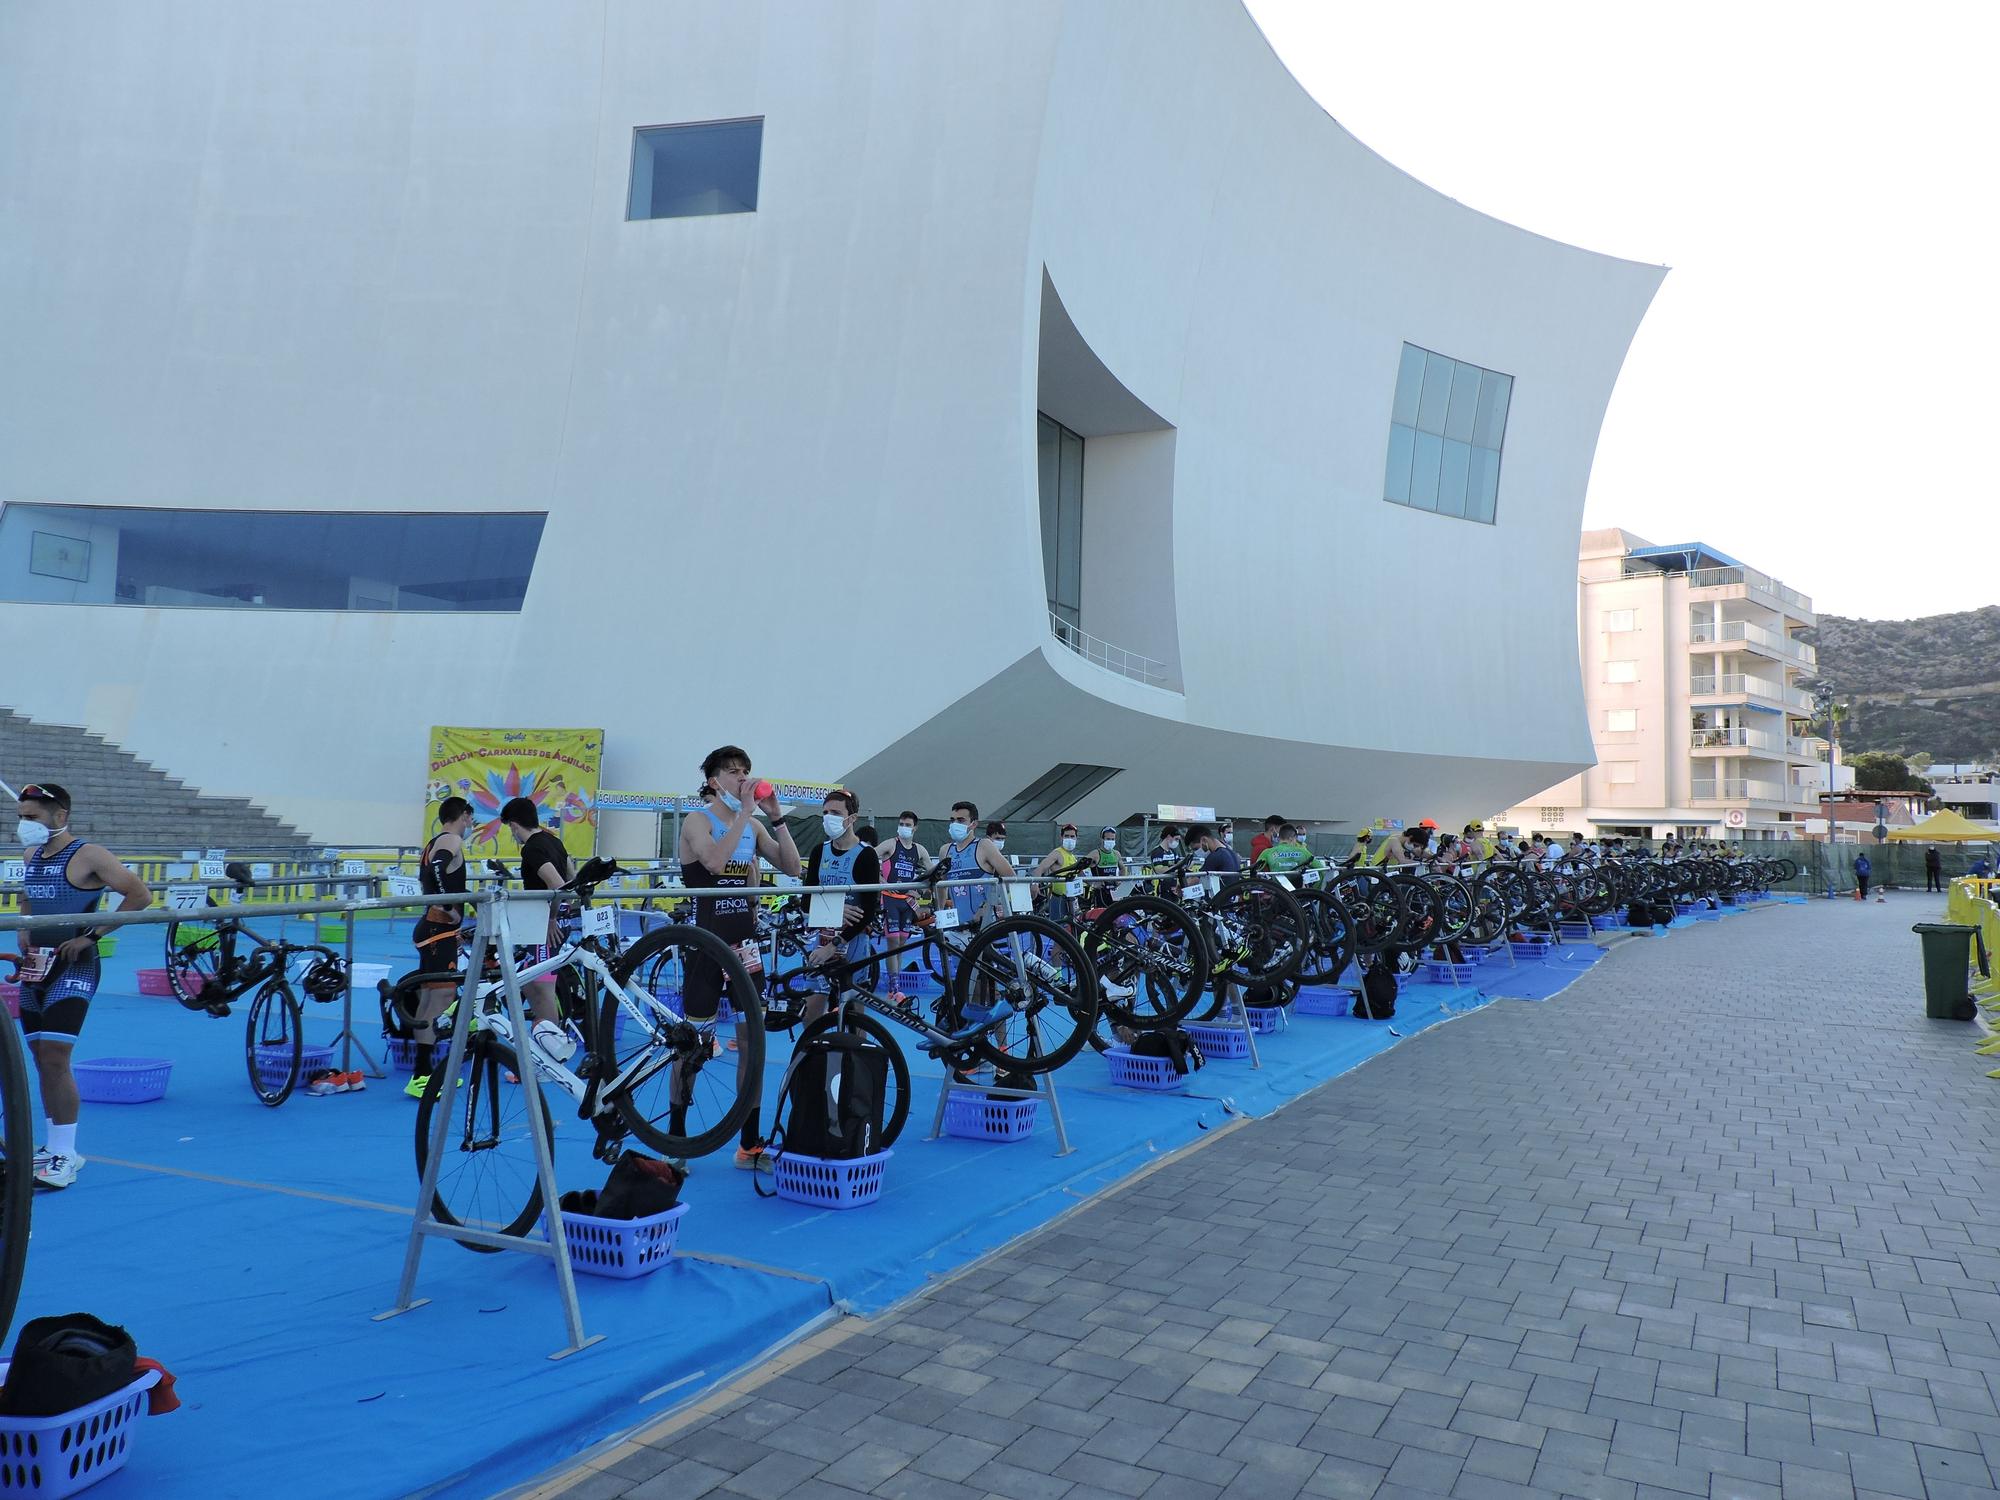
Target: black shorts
[
  {"x": 704, "y": 985},
  {"x": 52, "y": 1010},
  {"x": 439, "y": 954}
]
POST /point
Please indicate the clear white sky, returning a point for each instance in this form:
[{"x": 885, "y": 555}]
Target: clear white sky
[{"x": 1816, "y": 387}]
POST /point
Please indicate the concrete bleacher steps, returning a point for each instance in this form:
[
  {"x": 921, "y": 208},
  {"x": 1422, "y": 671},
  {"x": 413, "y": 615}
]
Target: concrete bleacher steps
[{"x": 125, "y": 802}]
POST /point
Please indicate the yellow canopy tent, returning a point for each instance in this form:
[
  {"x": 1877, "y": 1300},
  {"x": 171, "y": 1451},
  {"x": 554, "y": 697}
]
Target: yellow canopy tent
[{"x": 1946, "y": 827}]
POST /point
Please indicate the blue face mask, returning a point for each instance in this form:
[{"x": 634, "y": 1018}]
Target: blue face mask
[{"x": 730, "y": 802}]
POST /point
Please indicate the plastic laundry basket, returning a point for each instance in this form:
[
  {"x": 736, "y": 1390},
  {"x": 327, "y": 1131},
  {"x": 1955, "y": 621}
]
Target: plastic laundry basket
[
  {"x": 1135, "y": 1070},
  {"x": 622, "y": 1248},
  {"x": 69, "y": 1452},
  {"x": 1323, "y": 1001},
  {"x": 1220, "y": 1041},
  {"x": 974, "y": 1117},
  {"x": 829, "y": 1184},
  {"x": 120, "y": 1080}
]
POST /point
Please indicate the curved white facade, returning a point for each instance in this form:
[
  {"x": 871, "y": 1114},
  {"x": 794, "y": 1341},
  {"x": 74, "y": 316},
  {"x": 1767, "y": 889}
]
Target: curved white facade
[{"x": 372, "y": 256}]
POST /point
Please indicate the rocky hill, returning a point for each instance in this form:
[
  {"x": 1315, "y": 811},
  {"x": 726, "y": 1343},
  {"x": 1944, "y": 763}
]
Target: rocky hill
[{"x": 1918, "y": 685}]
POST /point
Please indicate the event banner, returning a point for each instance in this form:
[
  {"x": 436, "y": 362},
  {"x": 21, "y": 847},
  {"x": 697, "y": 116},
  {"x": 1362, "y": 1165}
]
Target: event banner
[{"x": 556, "y": 769}]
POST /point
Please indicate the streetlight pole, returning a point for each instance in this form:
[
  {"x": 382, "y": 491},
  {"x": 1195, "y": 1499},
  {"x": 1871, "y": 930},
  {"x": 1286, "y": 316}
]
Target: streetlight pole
[{"x": 1823, "y": 696}]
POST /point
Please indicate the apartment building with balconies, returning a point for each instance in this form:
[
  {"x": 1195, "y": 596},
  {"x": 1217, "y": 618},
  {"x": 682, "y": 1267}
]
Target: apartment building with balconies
[{"x": 1695, "y": 680}]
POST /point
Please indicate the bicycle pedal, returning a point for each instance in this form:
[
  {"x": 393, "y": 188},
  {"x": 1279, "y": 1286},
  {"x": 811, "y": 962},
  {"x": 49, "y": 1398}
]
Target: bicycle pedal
[{"x": 217, "y": 1012}]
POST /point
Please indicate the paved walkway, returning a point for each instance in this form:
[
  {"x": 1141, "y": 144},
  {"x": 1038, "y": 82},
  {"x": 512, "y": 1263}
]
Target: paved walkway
[{"x": 1713, "y": 1222}]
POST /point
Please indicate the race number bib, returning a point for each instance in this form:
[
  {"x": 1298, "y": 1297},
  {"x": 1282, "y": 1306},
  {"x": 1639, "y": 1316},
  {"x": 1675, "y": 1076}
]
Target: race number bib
[
  {"x": 1310, "y": 877},
  {"x": 827, "y": 910},
  {"x": 186, "y": 898},
  {"x": 36, "y": 963},
  {"x": 751, "y": 954},
  {"x": 1191, "y": 893},
  {"x": 599, "y": 921}
]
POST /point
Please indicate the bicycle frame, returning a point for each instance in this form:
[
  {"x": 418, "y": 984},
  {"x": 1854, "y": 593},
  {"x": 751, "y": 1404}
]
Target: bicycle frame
[{"x": 840, "y": 992}]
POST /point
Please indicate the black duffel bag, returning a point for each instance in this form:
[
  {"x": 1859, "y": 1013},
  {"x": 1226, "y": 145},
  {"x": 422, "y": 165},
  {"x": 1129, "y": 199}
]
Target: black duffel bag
[
  {"x": 833, "y": 1098},
  {"x": 66, "y": 1361}
]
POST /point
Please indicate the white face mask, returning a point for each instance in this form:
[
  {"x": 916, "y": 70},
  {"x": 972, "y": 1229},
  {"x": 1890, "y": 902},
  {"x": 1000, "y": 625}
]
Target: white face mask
[
  {"x": 1170, "y": 844},
  {"x": 1229, "y": 837},
  {"x": 834, "y": 824},
  {"x": 906, "y": 832},
  {"x": 32, "y": 834},
  {"x": 999, "y": 843},
  {"x": 1111, "y": 843},
  {"x": 1069, "y": 843},
  {"x": 957, "y": 831}
]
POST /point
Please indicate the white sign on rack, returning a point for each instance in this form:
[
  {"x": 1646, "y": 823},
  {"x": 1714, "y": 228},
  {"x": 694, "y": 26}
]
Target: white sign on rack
[
  {"x": 405, "y": 885},
  {"x": 186, "y": 898},
  {"x": 599, "y": 921},
  {"x": 354, "y": 867},
  {"x": 13, "y": 871},
  {"x": 215, "y": 854},
  {"x": 260, "y": 871},
  {"x": 211, "y": 869},
  {"x": 827, "y": 910},
  {"x": 1020, "y": 900},
  {"x": 947, "y": 918}
]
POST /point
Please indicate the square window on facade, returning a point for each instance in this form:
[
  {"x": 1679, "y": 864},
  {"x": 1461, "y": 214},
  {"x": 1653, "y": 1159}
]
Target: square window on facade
[
  {"x": 1621, "y": 671},
  {"x": 1619, "y": 619},
  {"x": 687, "y": 171},
  {"x": 1621, "y": 720},
  {"x": 1447, "y": 421}
]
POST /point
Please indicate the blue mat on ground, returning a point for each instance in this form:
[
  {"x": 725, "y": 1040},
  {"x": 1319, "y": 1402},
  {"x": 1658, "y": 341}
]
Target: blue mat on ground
[{"x": 247, "y": 1248}]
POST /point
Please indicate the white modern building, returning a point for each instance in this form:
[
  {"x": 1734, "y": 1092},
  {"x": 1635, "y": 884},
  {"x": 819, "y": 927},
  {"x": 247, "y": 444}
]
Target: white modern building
[
  {"x": 1037, "y": 400},
  {"x": 1968, "y": 788},
  {"x": 1693, "y": 675}
]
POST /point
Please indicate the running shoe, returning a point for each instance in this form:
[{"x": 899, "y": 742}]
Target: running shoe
[
  {"x": 59, "y": 1173},
  {"x": 326, "y": 1081},
  {"x": 353, "y": 1082},
  {"x": 416, "y": 1086},
  {"x": 42, "y": 1158},
  {"x": 753, "y": 1158}
]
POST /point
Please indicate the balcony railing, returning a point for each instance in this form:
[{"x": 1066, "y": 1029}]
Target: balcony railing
[
  {"x": 1710, "y": 633},
  {"x": 1734, "y": 684},
  {"x": 1708, "y": 578},
  {"x": 1104, "y": 654},
  {"x": 1743, "y": 789},
  {"x": 1734, "y": 739}
]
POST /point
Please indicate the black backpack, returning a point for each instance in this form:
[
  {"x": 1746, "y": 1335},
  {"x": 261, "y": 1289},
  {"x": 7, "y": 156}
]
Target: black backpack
[
  {"x": 1378, "y": 991},
  {"x": 1177, "y": 1046},
  {"x": 64, "y": 1362},
  {"x": 831, "y": 1102}
]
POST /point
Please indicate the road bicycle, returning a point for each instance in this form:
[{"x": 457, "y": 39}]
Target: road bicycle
[
  {"x": 17, "y": 1161},
  {"x": 1022, "y": 995},
  {"x": 645, "y": 1069},
  {"x": 213, "y": 961}
]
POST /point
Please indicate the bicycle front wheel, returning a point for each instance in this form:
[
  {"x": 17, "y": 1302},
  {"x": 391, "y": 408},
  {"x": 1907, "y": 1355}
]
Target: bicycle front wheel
[
  {"x": 273, "y": 1043},
  {"x": 194, "y": 957},
  {"x": 487, "y": 1178},
  {"x": 692, "y": 1093},
  {"x": 1048, "y": 978},
  {"x": 1151, "y": 961},
  {"x": 17, "y": 1163}
]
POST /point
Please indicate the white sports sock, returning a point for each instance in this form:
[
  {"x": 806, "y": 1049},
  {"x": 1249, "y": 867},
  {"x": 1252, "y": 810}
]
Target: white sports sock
[
  {"x": 62, "y": 1139},
  {"x": 49, "y": 1128}
]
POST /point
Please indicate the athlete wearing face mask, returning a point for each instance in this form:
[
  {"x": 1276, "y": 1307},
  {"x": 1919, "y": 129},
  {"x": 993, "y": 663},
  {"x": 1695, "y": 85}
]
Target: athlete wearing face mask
[
  {"x": 843, "y": 860},
  {"x": 968, "y": 856},
  {"x": 61, "y": 876},
  {"x": 1063, "y": 862},
  {"x": 902, "y": 859}
]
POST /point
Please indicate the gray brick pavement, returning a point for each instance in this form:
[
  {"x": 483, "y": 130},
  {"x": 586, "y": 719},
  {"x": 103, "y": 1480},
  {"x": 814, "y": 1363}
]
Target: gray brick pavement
[{"x": 1712, "y": 1223}]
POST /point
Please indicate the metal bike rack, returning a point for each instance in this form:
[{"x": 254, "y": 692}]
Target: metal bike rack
[{"x": 494, "y": 931}]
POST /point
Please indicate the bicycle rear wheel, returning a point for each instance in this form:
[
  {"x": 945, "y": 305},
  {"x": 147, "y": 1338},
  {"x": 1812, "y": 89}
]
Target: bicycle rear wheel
[
  {"x": 17, "y": 1169},
  {"x": 487, "y": 1177},
  {"x": 1154, "y": 949},
  {"x": 693, "y": 1094},
  {"x": 1048, "y": 978},
  {"x": 896, "y": 1089},
  {"x": 194, "y": 958},
  {"x": 273, "y": 1043}
]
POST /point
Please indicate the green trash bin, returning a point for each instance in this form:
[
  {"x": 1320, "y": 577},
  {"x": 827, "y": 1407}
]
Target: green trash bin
[{"x": 1947, "y": 957}]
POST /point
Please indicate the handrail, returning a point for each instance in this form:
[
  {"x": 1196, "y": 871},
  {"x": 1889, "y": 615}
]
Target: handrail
[{"x": 1104, "y": 654}]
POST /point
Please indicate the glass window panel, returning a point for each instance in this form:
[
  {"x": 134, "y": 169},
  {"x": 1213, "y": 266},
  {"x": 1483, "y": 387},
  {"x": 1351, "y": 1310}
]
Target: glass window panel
[
  {"x": 1482, "y": 486},
  {"x": 349, "y": 560},
  {"x": 1451, "y": 478},
  {"x": 1621, "y": 671},
  {"x": 1464, "y": 403},
  {"x": 1490, "y": 424},
  {"x": 1424, "y": 471},
  {"x": 1069, "y": 531},
  {"x": 1409, "y": 386},
  {"x": 1619, "y": 619},
  {"x": 1402, "y": 447},
  {"x": 680, "y": 171},
  {"x": 1436, "y": 399},
  {"x": 1621, "y": 720},
  {"x": 1049, "y": 464}
]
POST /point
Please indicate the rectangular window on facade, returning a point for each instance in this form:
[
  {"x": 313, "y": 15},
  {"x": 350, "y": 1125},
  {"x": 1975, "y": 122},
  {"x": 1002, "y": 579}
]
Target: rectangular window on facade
[
  {"x": 685, "y": 171},
  {"x": 1621, "y": 772},
  {"x": 1621, "y": 671},
  {"x": 1446, "y": 424},
  {"x": 1621, "y": 720},
  {"x": 1619, "y": 619},
  {"x": 451, "y": 562},
  {"x": 1061, "y": 475}
]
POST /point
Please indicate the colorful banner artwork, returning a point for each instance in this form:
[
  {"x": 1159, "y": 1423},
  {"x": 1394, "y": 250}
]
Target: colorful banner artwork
[{"x": 556, "y": 769}]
